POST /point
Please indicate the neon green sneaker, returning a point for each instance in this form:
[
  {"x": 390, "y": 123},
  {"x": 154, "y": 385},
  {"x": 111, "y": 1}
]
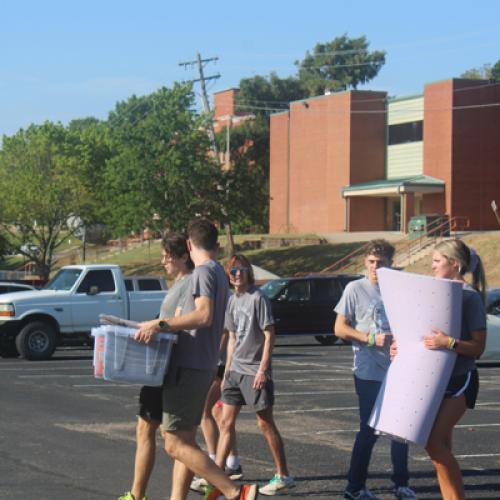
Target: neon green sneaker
[{"x": 128, "y": 496}]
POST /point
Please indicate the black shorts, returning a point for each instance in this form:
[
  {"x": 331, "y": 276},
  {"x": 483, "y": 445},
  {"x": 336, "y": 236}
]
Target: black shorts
[
  {"x": 467, "y": 384},
  {"x": 150, "y": 403},
  {"x": 220, "y": 371}
]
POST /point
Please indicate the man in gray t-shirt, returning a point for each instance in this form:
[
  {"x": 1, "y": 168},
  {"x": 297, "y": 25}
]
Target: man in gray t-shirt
[
  {"x": 361, "y": 319},
  {"x": 193, "y": 364},
  {"x": 247, "y": 380}
]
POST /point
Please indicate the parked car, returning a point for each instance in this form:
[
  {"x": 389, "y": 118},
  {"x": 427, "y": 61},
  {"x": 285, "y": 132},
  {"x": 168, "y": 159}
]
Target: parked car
[
  {"x": 305, "y": 305},
  {"x": 492, "y": 350},
  {"x": 13, "y": 286},
  {"x": 33, "y": 323}
]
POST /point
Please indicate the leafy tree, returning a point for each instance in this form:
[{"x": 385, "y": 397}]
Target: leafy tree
[
  {"x": 42, "y": 188},
  {"x": 481, "y": 73},
  {"x": 484, "y": 72},
  {"x": 161, "y": 169},
  {"x": 4, "y": 246},
  {"x": 340, "y": 64},
  {"x": 246, "y": 183},
  {"x": 264, "y": 95}
]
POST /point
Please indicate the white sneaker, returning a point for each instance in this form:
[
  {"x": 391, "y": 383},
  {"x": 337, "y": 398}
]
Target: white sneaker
[
  {"x": 278, "y": 485},
  {"x": 404, "y": 492},
  {"x": 198, "y": 484}
]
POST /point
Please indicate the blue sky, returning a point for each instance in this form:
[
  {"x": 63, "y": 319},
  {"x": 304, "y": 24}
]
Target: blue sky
[{"x": 67, "y": 59}]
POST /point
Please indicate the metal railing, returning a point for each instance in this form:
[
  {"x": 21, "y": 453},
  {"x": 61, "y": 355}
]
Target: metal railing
[{"x": 434, "y": 230}]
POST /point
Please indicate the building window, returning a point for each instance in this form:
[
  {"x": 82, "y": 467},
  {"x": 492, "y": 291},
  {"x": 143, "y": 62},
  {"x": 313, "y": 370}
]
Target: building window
[{"x": 406, "y": 132}]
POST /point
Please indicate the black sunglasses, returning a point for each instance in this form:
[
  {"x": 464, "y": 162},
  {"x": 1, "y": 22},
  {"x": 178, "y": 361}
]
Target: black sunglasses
[{"x": 233, "y": 271}]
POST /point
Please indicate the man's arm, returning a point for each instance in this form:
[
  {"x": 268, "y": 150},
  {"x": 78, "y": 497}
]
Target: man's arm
[
  {"x": 230, "y": 349},
  {"x": 201, "y": 317},
  {"x": 344, "y": 331},
  {"x": 267, "y": 349}
]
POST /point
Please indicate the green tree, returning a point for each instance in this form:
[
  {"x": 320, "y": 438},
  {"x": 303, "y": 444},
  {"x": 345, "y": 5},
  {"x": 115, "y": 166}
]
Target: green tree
[
  {"x": 161, "y": 170},
  {"x": 484, "y": 72},
  {"x": 481, "y": 73},
  {"x": 264, "y": 95},
  {"x": 340, "y": 64},
  {"x": 246, "y": 182},
  {"x": 41, "y": 190}
]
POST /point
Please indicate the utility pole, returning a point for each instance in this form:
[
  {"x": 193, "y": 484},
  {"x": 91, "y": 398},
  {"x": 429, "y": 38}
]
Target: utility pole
[
  {"x": 211, "y": 133},
  {"x": 204, "y": 97}
]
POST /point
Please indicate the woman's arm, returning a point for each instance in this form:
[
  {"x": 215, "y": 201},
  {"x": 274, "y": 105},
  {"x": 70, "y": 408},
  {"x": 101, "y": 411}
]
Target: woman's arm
[{"x": 472, "y": 348}]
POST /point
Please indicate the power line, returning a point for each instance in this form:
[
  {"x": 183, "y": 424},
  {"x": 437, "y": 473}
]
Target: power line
[{"x": 200, "y": 63}]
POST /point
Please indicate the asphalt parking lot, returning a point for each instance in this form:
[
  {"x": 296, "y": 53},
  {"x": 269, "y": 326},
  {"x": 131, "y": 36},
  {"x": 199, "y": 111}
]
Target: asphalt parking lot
[{"x": 66, "y": 435}]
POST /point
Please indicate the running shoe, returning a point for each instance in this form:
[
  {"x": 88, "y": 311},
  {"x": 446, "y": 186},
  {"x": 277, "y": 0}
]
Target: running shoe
[
  {"x": 234, "y": 474},
  {"x": 128, "y": 496},
  {"x": 404, "y": 492},
  {"x": 364, "y": 494},
  {"x": 247, "y": 492},
  {"x": 278, "y": 485},
  {"x": 198, "y": 484}
]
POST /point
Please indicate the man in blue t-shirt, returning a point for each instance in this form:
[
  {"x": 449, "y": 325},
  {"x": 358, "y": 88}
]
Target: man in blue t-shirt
[{"x": 361, "y": 319}]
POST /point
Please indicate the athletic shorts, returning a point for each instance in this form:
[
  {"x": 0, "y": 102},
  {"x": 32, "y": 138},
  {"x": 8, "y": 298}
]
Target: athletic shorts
[
  {"x": 150, "y": 403},
  {"x": 467, "y": 384},
  {"x": 184, "y": 394},
  {"x": 238, "y": 390}
]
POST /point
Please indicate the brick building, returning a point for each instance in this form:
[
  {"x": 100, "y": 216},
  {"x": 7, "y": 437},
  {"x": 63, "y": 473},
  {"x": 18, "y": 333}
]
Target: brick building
[{"x": 360, "y": 161}]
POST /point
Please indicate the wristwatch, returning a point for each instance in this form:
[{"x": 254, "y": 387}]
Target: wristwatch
[{"x": 162, "y": 324}]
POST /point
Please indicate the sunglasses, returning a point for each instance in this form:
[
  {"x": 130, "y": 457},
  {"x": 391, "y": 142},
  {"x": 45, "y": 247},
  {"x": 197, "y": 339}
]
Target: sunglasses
[{"x": 234, "y": 270}]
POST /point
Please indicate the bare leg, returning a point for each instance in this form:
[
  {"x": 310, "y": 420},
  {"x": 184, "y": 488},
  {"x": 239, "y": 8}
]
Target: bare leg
[
  {"x": 268, "y": 427},
  {"x": 439, "y": 448},
  {"x": 227, "y": 433},
  {"x": 217, "y": 414},
  {"x": 208, "y": 423},
  {"x": 182, "y": 447},
  {"x": 144, "y": 455}
]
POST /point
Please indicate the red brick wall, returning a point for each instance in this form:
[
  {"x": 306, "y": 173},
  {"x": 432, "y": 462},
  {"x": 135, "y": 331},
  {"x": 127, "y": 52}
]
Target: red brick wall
[
  {"x": 224, "y": 103},
  {"x": 308, "y": 166},
  {"x": 367, "y": 157},
  {"x": 462, "y": 147},
  {"x": 278, "y": 175},
  {"x": 476, "y": 152},
  {"x": 330, "y": 148},
  {"x": 367, "y": 214},
  {"x": 438, "y": 100}
]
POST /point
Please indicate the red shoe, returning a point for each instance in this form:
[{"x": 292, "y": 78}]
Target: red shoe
[
  {"x": 248, "y": 492},
  {"x": 212, "y": 493}
]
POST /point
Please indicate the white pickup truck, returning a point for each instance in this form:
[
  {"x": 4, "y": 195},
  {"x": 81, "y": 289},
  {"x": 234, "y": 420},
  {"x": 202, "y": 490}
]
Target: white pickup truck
[{"x": 33, "y": 323}]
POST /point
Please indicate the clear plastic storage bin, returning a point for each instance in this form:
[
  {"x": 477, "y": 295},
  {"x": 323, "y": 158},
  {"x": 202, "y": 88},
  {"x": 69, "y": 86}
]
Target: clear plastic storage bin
[{"x": 126, "y": 360}]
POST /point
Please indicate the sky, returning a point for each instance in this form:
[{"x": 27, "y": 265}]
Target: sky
[{"x": 66, "y": 59}]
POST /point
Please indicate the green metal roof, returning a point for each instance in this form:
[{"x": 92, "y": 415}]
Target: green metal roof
[{"x": 414, "y": 181}]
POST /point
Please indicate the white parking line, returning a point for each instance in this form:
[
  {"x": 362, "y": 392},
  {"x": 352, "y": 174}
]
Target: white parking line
[
  {"x": 313, "y": 393},
  {"x": 55, "y": 375},
  {"x": 477, "y": 455},
  {"x": 319, "y": 410},
  {"x": 341, "y": 431},
  {"x": 318, "y": 380}
]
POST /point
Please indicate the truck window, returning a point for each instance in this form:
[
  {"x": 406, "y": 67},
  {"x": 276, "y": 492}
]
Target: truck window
[
  {"x": 327, "y": 290},
  {"x": 297, "y": 291},
  {"x": 149, "y": 285},
  {"x": 103, "y": 279},
  {"x": 64, "y": 279},
  {"x": 129, "y": 285}
]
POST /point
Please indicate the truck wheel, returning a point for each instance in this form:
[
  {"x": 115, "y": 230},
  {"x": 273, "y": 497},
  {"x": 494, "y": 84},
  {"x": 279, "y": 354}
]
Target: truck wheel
[
  {"x": 326, "y": 339},
  {"x": 36, "y": 341}
]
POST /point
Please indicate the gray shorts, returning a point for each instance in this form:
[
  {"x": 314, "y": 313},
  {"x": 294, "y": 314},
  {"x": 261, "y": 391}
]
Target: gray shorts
[
  {"x": 238, "y": 391},
  {"x": 184, "y": 394}
]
